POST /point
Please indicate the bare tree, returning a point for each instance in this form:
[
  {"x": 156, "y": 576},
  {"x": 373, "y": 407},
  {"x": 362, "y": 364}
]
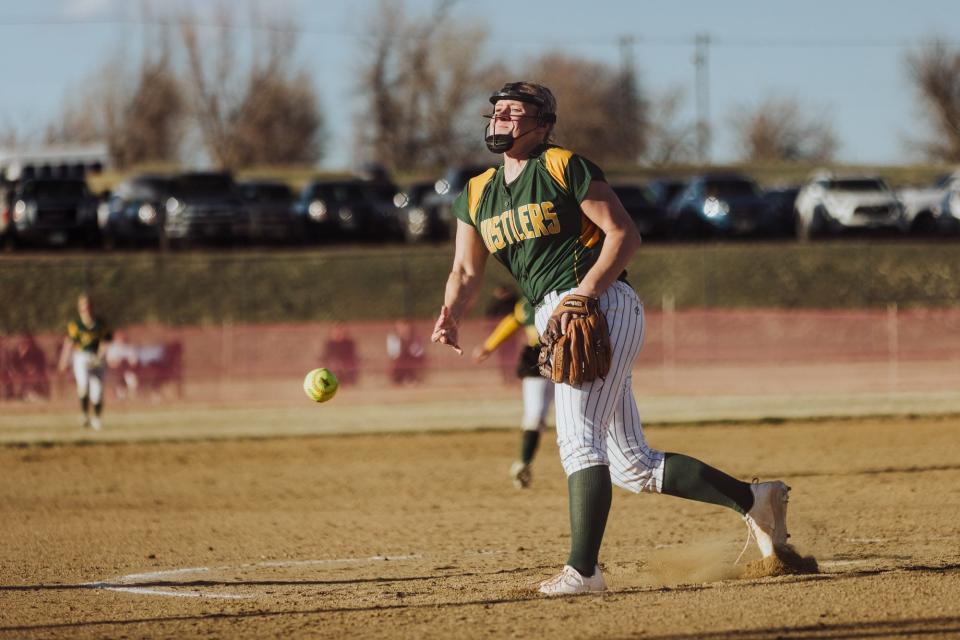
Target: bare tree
[
  {"x": 152, "y": 119},
  {"x": 601, "y": 113},
  {"x": 935, "y": 73},
  {"x": 10, "y": 136},
  {"x": 779, "y": 129},
  {"x": 270, "y": 115},
  {"x": 138, "y": 114},
  {"x": 419, "y": 78},
  {"x": 670, "y": 139}
]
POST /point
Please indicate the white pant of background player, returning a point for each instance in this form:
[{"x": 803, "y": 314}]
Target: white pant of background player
[
  {"x": 89, "y": 376},
  {"x": 598, "y": 422},
  {"x": 537, "y": 396}
]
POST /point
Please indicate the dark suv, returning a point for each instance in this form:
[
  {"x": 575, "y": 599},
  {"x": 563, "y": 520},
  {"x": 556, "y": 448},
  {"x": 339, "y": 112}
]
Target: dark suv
[
  {"x": 719, "y": 204},
  {"x": 269, "y": 205},
  {"x": 649, "y": 218},
  {"x": 347, "y": 209},
  {"x": 415, "y": 219},
  {"x": 205, "y": 206},
  {"x": 438, "y": 205},
  {"x": 53, "y": 211},
  {"x": 136, "y": 210}
]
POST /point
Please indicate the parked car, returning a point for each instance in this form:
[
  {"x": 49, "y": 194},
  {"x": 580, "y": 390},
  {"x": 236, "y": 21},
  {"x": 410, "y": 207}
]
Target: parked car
[
  {"x": 649, "y": 218},
  {"x": 948, "y": 213},
  {"x": 6, "y": 214},
  {"x": 830, "y": 205},
  {"x": 438, "y": 205},
  {"x": 269, "y": 207},
  {"x": 205, "y": 206},
  {"x": 922, "y": 205},
  {"x": 135, "y": 212},
  {"x": 719, "y": 205},
  {"x": 382, "y": 191},
  {"x": 419, "y": 223},
  {"x": 52, "y": 211},
  {"x": 345, "y": 209},
  {"x": 780, "y": 202},
  {"x": 662, "y": 191}
]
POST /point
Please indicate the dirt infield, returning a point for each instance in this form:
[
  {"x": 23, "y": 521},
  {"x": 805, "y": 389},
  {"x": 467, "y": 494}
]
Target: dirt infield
[{"x": 422, "y": 535}]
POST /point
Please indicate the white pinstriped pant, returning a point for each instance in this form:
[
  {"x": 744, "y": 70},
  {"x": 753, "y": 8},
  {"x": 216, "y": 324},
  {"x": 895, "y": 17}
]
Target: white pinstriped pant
[{"x": 598, "y": 422}]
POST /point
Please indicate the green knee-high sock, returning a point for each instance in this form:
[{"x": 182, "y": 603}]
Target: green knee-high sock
[
  {"x": 85, "y": 404},
  {"x": 590, "y": 496},
  {"x": 689, "y": 478},
  {"x": 531, "y": 439}
]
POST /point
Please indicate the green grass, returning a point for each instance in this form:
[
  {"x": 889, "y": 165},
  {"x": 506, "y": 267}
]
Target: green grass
[{"x": 37, "y": 291}]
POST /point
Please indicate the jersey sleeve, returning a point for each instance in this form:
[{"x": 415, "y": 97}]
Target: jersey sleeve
[
  {"x": 580, "y": 173},
  {"x": 504, "y": 330},
  {"x": 461, "y": 208},
  {"x": 73, "y": 330}
]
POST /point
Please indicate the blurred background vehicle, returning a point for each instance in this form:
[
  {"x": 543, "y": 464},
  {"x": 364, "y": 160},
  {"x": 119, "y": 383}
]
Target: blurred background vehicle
[
  {"x": 648, "y": 216},
  {"x": 49, "y": 211},
  {"x": 781, "y": 202},
  {"x": 438, "y": 205},
  {"x": 6, "y": 214},
  {"x": 947, "y": 219},
  {"x": 922, "y": 205},
  {"x": 269, "y": 207},
  {"x": 346, "y": 209},
  {"x": 420, "y": 222},
  {"x": 135, "y": 212},
  {"x": 205, "y": 206},
  {"x": 722, "y": 204},
  {"x": 662, "y": 191},
  {"x": 829, "y": 205},
  {"x": 381, "y": 191}
]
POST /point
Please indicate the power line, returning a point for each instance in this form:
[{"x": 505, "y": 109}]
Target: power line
[{"x": 745, "y": 42}]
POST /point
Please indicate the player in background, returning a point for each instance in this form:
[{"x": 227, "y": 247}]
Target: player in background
[
  {"x": 87, "y": 339},
  {"x": 549, "y": 216},
  {"x": 537, "y": 390}
]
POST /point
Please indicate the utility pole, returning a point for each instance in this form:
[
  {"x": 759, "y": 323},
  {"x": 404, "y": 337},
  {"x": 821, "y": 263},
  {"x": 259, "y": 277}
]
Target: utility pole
[
  {"x": 701, "y": 61},
  {"x": 627, "y": 107}
]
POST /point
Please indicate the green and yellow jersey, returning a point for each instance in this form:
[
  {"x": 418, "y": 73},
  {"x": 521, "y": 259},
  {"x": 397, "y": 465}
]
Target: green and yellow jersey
[
  {"x": 522, "y": 317},
  {"x": 88, "y": 338},
  {"x": 535, "y": 225}
]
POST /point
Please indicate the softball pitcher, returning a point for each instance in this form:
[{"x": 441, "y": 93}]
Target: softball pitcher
[
  {"x": 550, "y": 217},
  {"x": 537, "y": 390},
  {"x": 86, "y": 340}
]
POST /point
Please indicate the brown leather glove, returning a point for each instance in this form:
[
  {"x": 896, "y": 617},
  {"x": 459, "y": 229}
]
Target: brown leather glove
[{"x": 582, "y": 353}]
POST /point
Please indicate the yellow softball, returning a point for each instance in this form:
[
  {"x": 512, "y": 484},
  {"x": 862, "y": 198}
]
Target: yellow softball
[{"x": 320, "y": 385}]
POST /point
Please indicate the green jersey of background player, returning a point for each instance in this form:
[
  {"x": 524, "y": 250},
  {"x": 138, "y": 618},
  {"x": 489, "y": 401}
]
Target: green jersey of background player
[{"x": 550, "y": 217}]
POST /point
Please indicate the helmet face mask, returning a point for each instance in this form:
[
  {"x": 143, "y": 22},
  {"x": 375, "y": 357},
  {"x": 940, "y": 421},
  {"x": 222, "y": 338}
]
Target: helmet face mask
[{"x": 529, "y": 93}]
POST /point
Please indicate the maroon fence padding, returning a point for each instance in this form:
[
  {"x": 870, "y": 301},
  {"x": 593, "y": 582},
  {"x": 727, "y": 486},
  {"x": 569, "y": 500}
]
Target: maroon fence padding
[{"x": 861, "y": 350}]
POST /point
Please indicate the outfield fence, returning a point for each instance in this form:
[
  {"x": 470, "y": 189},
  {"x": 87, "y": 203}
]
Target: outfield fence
[{"x": 687, "y": 353}]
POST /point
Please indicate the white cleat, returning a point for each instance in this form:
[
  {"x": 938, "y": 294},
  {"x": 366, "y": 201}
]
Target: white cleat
[
  {"x": 521, "y": 474},
  {"x": 767, "y": 518},
  {"x": 95, "y": 423},
  {"x": 570, "y": 581}
]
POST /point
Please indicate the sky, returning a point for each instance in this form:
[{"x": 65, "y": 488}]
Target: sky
[{"x": 840, "y": 58}]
